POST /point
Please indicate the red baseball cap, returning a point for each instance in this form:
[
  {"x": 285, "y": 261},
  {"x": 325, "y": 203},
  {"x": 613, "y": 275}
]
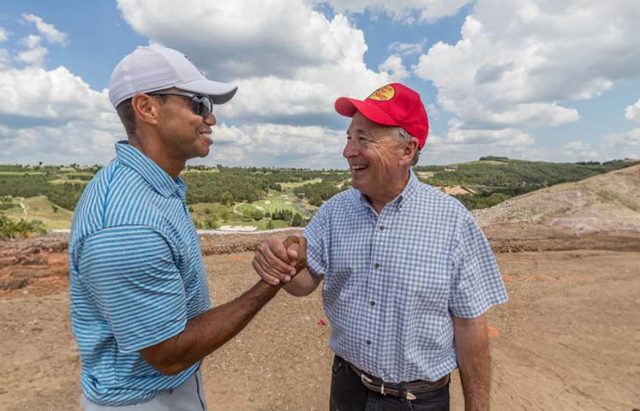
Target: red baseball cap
[{"x": 391, "y": 105}]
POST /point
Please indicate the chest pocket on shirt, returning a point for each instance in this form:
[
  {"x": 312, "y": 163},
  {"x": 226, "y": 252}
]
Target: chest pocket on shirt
[{"x": 424, "y": 278}]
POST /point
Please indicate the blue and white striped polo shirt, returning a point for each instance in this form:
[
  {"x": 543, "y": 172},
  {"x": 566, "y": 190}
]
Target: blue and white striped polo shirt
[
  {"x": 393, "y": 280},
  {"x": 137, "y": 276}
]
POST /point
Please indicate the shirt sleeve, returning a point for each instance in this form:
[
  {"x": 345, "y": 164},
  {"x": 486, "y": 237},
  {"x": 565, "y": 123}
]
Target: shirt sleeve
[
  {"x": 477, "y": 282},
  {"x": 132, "y": 274},
  {"x": 317, "y": 250}
]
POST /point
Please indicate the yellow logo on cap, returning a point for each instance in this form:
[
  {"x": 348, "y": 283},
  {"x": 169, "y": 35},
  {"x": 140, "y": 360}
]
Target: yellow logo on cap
[{"x": 384, "y": 93}]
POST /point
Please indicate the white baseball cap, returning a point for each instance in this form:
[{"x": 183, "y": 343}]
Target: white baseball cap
[{"x": 153, "y": 68}]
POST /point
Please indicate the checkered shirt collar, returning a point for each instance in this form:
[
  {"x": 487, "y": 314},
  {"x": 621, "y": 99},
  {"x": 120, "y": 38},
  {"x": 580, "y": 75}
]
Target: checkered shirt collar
[{"x": 402, "y": 198}]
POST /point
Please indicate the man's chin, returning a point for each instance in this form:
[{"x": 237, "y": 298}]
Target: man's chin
[
  {"x": 203, "y": 152},
  {"x": 363, "y": 188}
]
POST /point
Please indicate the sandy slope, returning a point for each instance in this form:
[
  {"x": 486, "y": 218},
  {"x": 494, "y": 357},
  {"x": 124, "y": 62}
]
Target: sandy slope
[{"x": 604, "y": 203}]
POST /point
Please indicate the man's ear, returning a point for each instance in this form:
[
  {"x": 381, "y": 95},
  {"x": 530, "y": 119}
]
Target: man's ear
[
  {"x": 146, "y": 108},
  {"x": 409, "y": 151}
]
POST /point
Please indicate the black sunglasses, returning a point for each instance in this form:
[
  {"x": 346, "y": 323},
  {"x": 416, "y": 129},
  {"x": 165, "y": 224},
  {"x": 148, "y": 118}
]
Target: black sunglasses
[{"x": 200, "y": 105}]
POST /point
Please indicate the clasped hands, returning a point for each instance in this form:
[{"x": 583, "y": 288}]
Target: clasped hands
[{"x": 277, "y": 261}]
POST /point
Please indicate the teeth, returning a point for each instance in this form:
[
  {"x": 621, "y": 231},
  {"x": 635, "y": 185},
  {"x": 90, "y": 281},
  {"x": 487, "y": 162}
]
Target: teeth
[{"x": 358, "y": 167}]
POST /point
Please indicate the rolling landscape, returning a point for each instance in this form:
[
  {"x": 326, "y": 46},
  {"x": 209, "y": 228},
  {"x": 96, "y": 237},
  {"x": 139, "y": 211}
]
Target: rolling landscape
[
  {"x": 566, "y": 236},
  {"x": 41, "y": 199}
]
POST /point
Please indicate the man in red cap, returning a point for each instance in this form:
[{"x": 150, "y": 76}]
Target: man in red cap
[{"x": 408, "y": 275}]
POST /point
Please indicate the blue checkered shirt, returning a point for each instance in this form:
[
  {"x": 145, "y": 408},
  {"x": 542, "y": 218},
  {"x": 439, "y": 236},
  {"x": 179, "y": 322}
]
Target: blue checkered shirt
[
  {"x": 137, "y": 277},
  {"x": 393, "y": 281}
]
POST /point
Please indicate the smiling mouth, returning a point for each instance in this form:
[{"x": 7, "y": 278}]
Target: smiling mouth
[
  {"x": 358, "y": 167},
  {"x": 207, "y": 136}
]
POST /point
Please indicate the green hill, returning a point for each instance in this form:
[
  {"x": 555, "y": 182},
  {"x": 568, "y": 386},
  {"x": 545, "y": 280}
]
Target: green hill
[{"x": 494, "y": 179}]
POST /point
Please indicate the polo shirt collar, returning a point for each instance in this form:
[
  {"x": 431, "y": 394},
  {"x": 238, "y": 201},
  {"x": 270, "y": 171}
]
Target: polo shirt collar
[{"x": 151, "y": 172}]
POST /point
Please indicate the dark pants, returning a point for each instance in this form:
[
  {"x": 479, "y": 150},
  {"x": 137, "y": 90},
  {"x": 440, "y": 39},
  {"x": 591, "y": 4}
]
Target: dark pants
[{"x": 348, "y": 394}]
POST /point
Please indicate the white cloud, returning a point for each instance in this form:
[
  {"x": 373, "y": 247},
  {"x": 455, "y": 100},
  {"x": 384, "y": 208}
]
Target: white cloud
[
  {"x": 508, "y": 137},
  {"x": 34, "y": 53},
  {"x": 405, "y": 49},
  {"x": 5, "y": 58},
  {"x": 78, "y": 125},
  {"x": 290, "y": 60},
  {"x": 517, "y": 59},
  {"x": 632, "y": 112},
  {"x": 628, "y": 142},
  {"x": 393, "y": 65},
  {"x": 276, "y": 144},
  {"x": 4, "y": 36},
  {"x": 517, "y": 65},
  {"x": 580, "y": 151},
  {"x": 34, "y": 56},
  {"x": 81, "y": 142},
  {"x": 55, "y": 94},
  {"x": 468, "y": 145},
  {"x": 281, "y": 36},
  {"x": 71, "y": 121},
  {"x": 407, "y": 11},
  {"x": 49, "y": 31}
]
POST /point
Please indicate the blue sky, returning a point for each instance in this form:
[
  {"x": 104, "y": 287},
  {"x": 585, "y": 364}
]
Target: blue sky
[{"x": 518, "y": 78}]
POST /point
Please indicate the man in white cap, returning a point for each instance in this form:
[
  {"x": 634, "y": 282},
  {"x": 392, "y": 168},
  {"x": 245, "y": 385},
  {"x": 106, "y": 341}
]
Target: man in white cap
[
  {"x": 407, "y": 273},
  {"x": 140, "y": 307}
]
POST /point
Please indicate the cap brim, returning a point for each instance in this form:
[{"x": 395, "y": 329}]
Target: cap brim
[
  {"x": 348, "y": 107},
  {"x": 219, "y": 92}
]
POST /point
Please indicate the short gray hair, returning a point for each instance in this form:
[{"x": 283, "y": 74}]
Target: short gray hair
[{"x": 404, "y": 137}]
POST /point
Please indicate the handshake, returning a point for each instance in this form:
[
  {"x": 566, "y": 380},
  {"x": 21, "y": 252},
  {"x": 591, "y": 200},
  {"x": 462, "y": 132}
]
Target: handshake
[{"x": 277, "y": 261}]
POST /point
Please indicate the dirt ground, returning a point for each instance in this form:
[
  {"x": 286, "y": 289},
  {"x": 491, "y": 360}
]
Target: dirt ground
[{"x": 568, "y": 339}]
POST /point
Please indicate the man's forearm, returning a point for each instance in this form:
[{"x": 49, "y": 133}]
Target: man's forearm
[
  {"x": 304, "y": 283},
  {"x": 472, "y": 349},
  {"x": 208, "y": 331}
]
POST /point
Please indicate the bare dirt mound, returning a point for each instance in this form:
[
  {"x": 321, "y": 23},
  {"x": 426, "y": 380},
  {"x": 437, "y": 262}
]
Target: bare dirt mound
[
  {"x": 39, "y": 264},
  {"x": 601, "y": 211}
]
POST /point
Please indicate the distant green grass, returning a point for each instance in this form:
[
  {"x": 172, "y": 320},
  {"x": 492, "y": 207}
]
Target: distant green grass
[
  {"x": 279, "y": 201},
  {"x": 40, "y": 208},
  {"x": 63, "y": 181},
  {"x": 291, "y": 186},
  {"x": 222, "y": 215},
  {"x": 194, "y": 171},
  {"x": 21, "y": 173}
]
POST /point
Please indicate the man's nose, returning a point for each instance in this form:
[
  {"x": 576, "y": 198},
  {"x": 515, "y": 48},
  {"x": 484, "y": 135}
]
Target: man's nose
[
  {"x": 210, "y": 119},
  {"x": 350, "y": 149}
]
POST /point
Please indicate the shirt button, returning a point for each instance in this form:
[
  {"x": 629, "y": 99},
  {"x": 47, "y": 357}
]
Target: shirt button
[
  {"x": 372, "y": 303},
  {"x": 381, "y": 227},
  {"x": 376, "y": 266},
  {"x": 368, "y": 342}
]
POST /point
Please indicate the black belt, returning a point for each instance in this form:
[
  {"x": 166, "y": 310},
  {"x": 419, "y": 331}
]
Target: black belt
[{"x": 406, "y": 390}]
